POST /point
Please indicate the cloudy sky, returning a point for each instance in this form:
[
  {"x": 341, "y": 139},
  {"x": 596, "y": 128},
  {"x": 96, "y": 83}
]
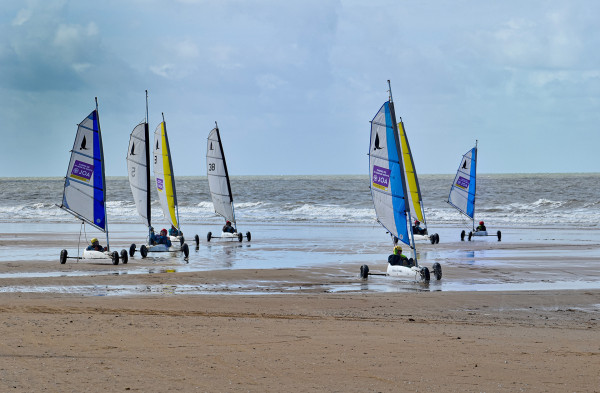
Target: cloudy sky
[{"x": 293, "y": 84}]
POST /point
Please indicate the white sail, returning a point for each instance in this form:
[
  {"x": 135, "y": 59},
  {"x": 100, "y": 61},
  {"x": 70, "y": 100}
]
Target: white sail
[
  {"x": 163, "y": 173},
  {"x": 218, "y": 177},
  {"x": 138, "y": 169},
  {"x": 84, "y": 193}
]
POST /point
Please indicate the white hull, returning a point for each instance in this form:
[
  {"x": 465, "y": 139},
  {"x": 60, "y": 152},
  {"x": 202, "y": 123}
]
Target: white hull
[
  {"x": 480, "y": 233},
  {"x": 91, "y": 254},
  {"x": 175, "y": 245},
  {"x": 411, "y": 273}
]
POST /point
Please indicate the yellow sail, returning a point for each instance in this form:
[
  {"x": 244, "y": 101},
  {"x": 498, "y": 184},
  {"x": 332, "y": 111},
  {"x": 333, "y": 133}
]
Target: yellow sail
[
  {"x": 163, "y": 171},
  {"x": 414, "y": 197}
]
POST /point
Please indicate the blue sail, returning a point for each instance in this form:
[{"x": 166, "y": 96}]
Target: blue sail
[{"x": 387, "y": 183}]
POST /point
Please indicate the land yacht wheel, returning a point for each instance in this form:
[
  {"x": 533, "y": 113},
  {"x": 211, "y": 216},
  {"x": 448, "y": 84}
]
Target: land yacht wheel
[
  {"x": 470, "y": 235},
  {"x": 208, "y": 236},
  {"x": 462, "y": 236},
  {"x": 499, "y": 236},
  {"x": 186, "y": 250},
  {"x": 115, "y": 258},
  {"x": 197, "y": 240},
  {"x": 144, "y": 250},
  {"x": 364, "y": 272},
  {"x": 432, "y": 239},
  {"x": 437, "y": 238},
  {"x": 132, "y": 250},
  {"x": 425, "y": 274},
  {"x": 437, "y": 271},
  {"x": 240, "y": 237},
  {"x": 124, "y": 256},
  {"x": 63, "y": 256},
  {"x": 248, "y": 235}
]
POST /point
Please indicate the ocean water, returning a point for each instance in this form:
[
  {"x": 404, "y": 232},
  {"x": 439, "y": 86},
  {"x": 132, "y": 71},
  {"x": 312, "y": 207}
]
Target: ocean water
[{"x": 503, "y": 201}]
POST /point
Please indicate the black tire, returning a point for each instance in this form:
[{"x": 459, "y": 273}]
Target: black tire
[
  {"x": 115, "y": 258},
  {"x": 240, "y": 237},
  {"x": 63, "y": 256},
  {"x": 432, "y": 239},
  {"x": 248, "y": 235},
  {"x": 208, "y": 236},
  {"x": 499, "y": 236},
  {"x": 437, "y": 238},
  {"x": 462, "y": 236},
  {"x": 197, "y": 240},
  {"x": 425, "y": 274},
  {"x": 181, "y": 241},
  {"x": 124, "y": 256},
  {"x": 437, "y": 271},
  {"x": 132, "y": 250},
  {"x": 144, "y": 250},
  {"x": 470, "y": 235},
  {"x": 364, "y": 272},
  {"x": 186, "y": 250}
]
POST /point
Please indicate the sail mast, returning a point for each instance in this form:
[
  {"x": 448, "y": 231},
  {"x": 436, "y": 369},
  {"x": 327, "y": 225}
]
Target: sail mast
[
  {"x": 147, "y": 147},
  {"x": 404, "y": 185},
  {"x": 475, "y": 188},
  {"x": 103, "y": 173}
]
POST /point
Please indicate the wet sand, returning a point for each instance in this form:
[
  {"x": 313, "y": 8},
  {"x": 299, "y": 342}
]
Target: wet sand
[{"x": 222, "y": 322}]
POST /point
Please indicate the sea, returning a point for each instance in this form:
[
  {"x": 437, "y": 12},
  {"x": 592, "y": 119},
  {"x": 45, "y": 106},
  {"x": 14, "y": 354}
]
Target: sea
[{"x": 502, "y": 201}]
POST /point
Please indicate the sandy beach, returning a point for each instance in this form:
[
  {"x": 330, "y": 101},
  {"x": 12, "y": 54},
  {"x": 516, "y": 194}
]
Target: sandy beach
[{"x": 165, "y": 324}]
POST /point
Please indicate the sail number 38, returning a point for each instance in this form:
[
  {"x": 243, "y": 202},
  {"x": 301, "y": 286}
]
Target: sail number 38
[{"x": 211, "y": 167}]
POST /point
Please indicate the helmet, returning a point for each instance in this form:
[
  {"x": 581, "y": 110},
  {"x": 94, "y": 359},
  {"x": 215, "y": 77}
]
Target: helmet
[
  {"x": 480, "y": 222},
  {"x": 417, "y": 222},
  {"x": 163, "y": 230},
  {"x": 94, "y": 240},
  {"x": 228, "y": 223},
  {"x": 397, "y": 250}
]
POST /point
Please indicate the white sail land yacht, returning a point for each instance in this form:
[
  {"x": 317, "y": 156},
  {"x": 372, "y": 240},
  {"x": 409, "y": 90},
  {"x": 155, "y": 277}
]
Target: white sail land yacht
[{"x": 84, "y": 193}]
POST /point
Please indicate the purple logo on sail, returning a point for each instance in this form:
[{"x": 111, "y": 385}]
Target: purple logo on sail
[
  {"x": 381, "y": 177},
  {"x": 159, "y": 184},
  {"x": 82, "y": 171},
  {"x": 462, "y": 182}
]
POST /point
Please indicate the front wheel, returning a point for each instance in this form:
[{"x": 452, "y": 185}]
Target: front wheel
[
  {"x": 499, "y": 236},
  {"x": 432, "y": 239},
  {"x": 462, "y": 236},
  {"x": 248, "y": 235},
  {"x": 364, "y": 272},
  {"x": 197, "y": 240},
  {"x": 186, "y": 250},
  {"x": 437, "y": 238},
  {"x": 240, "y": 237},
  {"x": 208, "y": 236},
  {"x": 63, "y": 256},
  {"x": 115, "y": 258}
]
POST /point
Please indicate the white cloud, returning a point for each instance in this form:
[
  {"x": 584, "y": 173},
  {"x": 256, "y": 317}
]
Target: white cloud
[{"x": 22, "y": 17}]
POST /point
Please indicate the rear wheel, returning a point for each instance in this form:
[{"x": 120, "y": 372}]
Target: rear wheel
[
  {"x": 425, "y": 274},
  {"x": 462, "y": 236},
  {"x": 432, "y": 239},
  {"x": 437, "y": 271},
  {"x": 124, "y": 256},
  {"x": 499, "y": 236},
  {"x": 437, "y": 238},
  {"x": 115, "y": 258},
  {"x": 364, "y": 272},
  {"x": 470, "y": 235},
  {"x": 248, "y": 235},
  {"x": 144, "y": 250},
  {"x": 208, "y": 236},
  {"x": 240, "y": 237},
  {"x": 63, "y": 256},
  {"x": 197, "y": 240},
  {"x": 132, "y": 250},
  {"x": 186, "y": 250}
]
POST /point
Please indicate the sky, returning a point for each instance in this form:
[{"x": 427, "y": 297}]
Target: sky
[{"x": 293, "y": 84}]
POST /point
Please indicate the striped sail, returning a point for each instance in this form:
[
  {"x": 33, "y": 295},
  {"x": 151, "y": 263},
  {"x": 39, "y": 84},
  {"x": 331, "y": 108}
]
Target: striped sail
[
  {"x": 84, "y": 193},
  {"x": 386, "y": 173},
  {"x": 218, "y": 177},
  {"x": 462, "y": 192},
  {"x": 138, "y": 169},
  {"x": 163, "y": 173},
  {"x": 412, "y": 182}
]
